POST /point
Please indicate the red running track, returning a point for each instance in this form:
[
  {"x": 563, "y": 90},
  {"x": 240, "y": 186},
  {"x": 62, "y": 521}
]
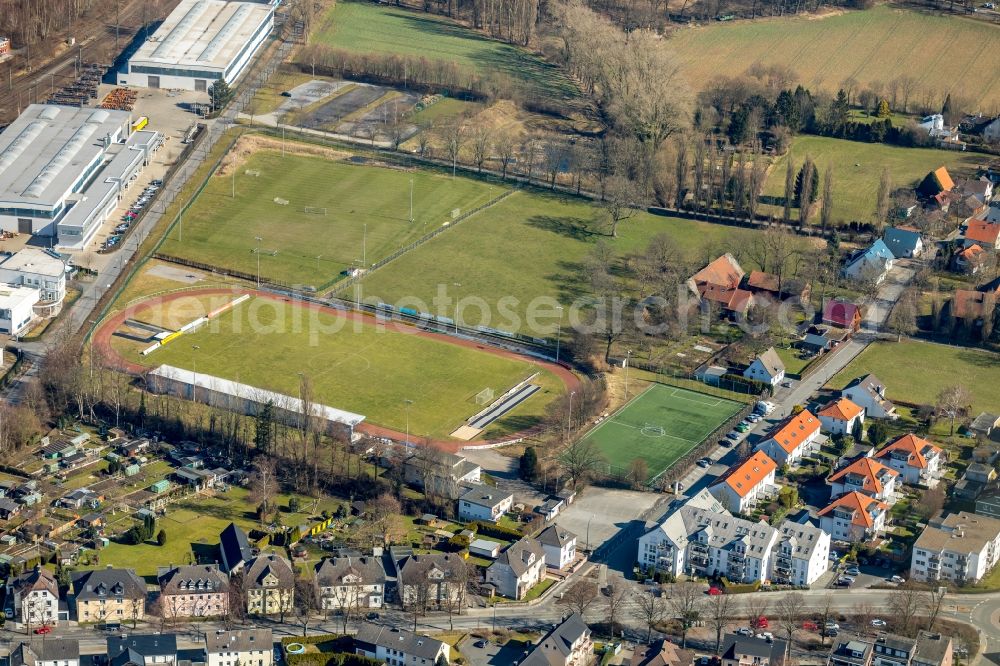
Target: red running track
[{"x": 102, "y": 345}]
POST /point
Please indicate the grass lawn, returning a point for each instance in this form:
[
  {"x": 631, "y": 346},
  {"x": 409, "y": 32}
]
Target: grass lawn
[
  {"x": 529, "y": 249},
  {"x": 371, "y": 28},
  {"x": 361, "y": 368},
  {"x": 878, "y": 44},
  {"x": 916, "y": 372},
  {"x": 660, "y": 426},
  {"x": 790, "y": 357},
  {"x": 857, "y": 169},
  {"x": 445, "y": 108},
  {"x": 307, "y": 248}
]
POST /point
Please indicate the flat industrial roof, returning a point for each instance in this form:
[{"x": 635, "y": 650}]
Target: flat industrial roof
[
  {"x": 203, "y": 34},
  {"x": 34, "y": 260},
  {"x": 47, "y": 149},
  {"x": 254, "y": 394}
]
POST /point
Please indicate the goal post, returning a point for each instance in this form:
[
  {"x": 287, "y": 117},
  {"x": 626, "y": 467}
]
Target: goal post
[
  {"x": 485, "y": 396},
  {"x": 313, "y": 210}
]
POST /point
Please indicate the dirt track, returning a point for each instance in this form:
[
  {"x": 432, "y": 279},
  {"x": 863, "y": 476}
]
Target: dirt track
[{"x": 102, "y": 346}]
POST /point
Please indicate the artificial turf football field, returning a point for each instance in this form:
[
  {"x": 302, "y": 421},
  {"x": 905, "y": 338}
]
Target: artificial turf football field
[
  {"x": 660, "y": 426},
  {"x": 356, "y": 366}
]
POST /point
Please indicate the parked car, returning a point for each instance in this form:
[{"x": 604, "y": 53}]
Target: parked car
[
  {"x": 808, "y": 625},
  {"x": 726, "y": 442},
  {"x": 733, "y": 435},
  {"x": 878, "y": 622},
  {"x": 898, "y": 580},
  {"x": 704, "y": 462},
  {"x": 762, "y": 623},
  {"x": 744, "y": 631},
  {"x": 44, "y": 629},
  {"x": 852, "y": 571},
  {"x": 832, "y": 625},
  {"x": 480, "y": 644},
  {"x": 714, "y": 591},
  {"x": 742, "y": 427}
]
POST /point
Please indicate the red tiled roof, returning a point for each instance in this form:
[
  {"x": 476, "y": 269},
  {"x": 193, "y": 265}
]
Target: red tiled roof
[
  {"x": 841, "y": 409},
  {"x": 860, "y": 504},
  {"x": 744, "y": 477},
  {"x": 944, "y": 179},
  {"x": 968, "y": 304},
  {"x": 972, "y": 252},
  {"x": 871, "y": 470},
  {"x": 914, "y": 446},
  {"x": 793, "y": 431},
  {"x": 763, "y": 281},
  {"x": 982, "y": 231},
  {"x": 723, "y": 272},
  {"x": 840, "y": 313}
]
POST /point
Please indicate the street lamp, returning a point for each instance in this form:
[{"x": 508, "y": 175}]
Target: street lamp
[
  {"x": 628, "y": 355},
  {"x": 407, "y": 402},
  {"x": 194, "y": 373},
  {"x": 259, "y": 240},
  {"x": 558, "y": 331}
]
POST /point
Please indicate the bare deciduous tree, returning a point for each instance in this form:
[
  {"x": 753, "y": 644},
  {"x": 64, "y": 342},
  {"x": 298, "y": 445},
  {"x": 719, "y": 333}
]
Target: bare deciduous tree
[
  {"x": 581, "y": 595},
  {"x": 686, "y": 606},
  {"x": 650, "y": 607}
]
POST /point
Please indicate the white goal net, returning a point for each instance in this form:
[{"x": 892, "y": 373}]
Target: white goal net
[
  {"x": 485, "y": 396},
  {"x": 314, "y": 211}
]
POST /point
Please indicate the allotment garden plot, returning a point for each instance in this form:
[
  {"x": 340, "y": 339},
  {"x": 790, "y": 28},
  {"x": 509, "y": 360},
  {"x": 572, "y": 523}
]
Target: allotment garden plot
[{"x": 660, "y": 426}]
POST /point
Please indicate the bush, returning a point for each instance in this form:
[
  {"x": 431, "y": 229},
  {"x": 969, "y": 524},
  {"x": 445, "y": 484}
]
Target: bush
[
  {"x": 734, "y": 588},
  {"x": 496, "y": 531}
]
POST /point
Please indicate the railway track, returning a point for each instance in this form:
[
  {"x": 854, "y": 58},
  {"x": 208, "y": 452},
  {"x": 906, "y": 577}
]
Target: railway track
[{"x": 18, "y": 89}]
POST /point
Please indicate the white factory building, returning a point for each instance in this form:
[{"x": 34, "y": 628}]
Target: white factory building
[
  {"x": 16, "y": 308},
  {"x": 43, "y": 270},
  {"x": 63, "y": 169},
  {"x": 200, "y": 42}
]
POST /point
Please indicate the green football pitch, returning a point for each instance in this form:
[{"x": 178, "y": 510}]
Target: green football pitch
[{"x": 660, "y": 426}]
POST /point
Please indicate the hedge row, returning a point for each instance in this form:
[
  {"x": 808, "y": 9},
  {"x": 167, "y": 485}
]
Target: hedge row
[
  {"x": 309, "y": 640},
  {"x": 331, "y": 659},
  {"x": 496, "y": 531}
]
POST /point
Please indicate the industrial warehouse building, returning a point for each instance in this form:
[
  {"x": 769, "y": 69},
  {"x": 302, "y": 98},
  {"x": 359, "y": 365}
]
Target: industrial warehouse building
[
  {"x": 63, "y": 169},
  {"x": 200, "y": 42}
]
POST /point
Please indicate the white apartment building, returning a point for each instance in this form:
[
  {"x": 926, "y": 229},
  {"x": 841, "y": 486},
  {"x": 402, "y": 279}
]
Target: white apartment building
[
  {"x": 350, "y": 582},
  {"x": 918, "y": 461},
  {"x": 517, "y": 569},
  {"x": 793, "y": 438},
  {"x": 242, "y": 647},
  {"x": 801, "y": 554},
  {"x": 867, "y": 476},
  {"x": 35, "y": 596},
  {"x": 746, "y": 483},
  {"x": 854, "y": 518},
  {"x": 699, "y": 542},
  {"x": 960, "y": 548},
  {"x": 559, "y": 545}
]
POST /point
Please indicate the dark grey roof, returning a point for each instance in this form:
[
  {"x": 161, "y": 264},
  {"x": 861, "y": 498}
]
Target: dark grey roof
[
  {"x": 331, "y": 570},
  {"x": 413, "y": 568},
  {"x": 146, "y": 645},
  {"x": 553, "y": 535},
  {"x": 399, "y": 639},
  {"x": 193, "y": 579},
  {"x": 555, "y": 646},
  {"x": 51, "y": 649},
  {"x": 234, "y": 546},
  {"x": 521, "y": 555},
  {"x": 484, "y": 495},
  {"x": 932, "y": 648},
  {"x": 240, "y": 640},
  {"x": 259, "y": 567},
  {"x": 100, "y": 583},
  {"x": 733, "y": 646}
]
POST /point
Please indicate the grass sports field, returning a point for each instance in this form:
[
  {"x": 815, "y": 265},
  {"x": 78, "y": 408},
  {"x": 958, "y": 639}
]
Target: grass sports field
[
  {"x": 531, "y": 245},
  {"x": 939, "y": 366},
  {"x": 857, "y": 170},
  {"x": 660, "y": 426},
  {"x": 382, "y": 29},
  {"x": 354, "y": 366},
  {"x": 314, "y": 248},
  {"x": 878, "y": 44}
]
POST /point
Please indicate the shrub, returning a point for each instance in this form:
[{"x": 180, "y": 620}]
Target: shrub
[{"x": 496, "y": 531}]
